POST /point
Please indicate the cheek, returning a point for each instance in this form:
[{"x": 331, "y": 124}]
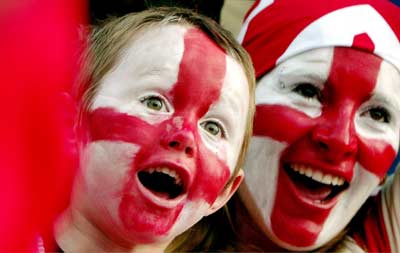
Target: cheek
[
  {"x": 260, "y": 179},
  {"x": 106, "y": 164},
  {"x": 376, "y": 156},
  {"x": 212, "y": 174},
  {"x": 222, "y": 150},
  {"x": 108, "y": 124},
  {"x": 281, "y": 123}
]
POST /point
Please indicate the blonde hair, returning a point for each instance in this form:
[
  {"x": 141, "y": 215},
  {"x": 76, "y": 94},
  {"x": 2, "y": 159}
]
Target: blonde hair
[{"x": 108, "y": 41}]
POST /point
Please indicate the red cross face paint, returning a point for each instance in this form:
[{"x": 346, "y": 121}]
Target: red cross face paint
[
  {"x": 166, "y": 128},
  {"x": 327, "y": 125}
]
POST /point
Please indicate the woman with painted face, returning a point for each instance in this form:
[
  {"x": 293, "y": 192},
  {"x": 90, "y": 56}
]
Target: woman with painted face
[
  {"x": 326, "y": 128},
  {"x": 165, "y": 122}
]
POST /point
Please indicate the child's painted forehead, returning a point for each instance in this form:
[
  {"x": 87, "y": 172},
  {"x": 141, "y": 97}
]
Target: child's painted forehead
[
  {"x": 153, "y": 61},
  {"x": 166, "y": 40},
  {"x": 158, "y": 50},
  {"x": 162, "y": 42}
]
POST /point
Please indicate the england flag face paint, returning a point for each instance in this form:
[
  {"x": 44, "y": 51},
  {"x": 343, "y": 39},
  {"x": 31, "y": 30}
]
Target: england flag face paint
[
  {"x": 327, "y": 127},
  {"x": 166, "y": 129}
]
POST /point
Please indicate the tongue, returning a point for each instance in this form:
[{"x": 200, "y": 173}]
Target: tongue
[
  {"x": 163, "y": 195},
  {"x": 319, "y": 192},
  {"x": 311, "y": 189}
]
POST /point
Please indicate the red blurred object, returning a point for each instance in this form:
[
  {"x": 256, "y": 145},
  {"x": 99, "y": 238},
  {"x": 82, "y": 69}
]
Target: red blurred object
[{"x": 39, "y": 47}]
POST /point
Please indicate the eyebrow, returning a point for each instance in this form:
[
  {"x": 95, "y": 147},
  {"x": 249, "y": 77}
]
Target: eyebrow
[
  {"x": 155, "y": 70},
  {"x": 391, "y": 101},
  {"x": 303, "y": 69},
  {"x": 317, "y": 77}
]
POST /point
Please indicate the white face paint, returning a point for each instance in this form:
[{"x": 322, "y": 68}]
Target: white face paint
[
  {"x": 166, "y": 129},
  {"x": 326, "y": 131}
]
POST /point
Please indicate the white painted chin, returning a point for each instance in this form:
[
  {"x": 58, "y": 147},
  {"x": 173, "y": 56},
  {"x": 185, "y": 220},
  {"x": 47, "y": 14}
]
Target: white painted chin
[{"x": 192, "y": 212}]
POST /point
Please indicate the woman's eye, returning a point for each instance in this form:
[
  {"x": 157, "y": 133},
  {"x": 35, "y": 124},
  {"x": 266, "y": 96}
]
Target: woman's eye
[
  {"x": 154, "y": 103},
  {"x": 308, "y": 90},
  {"x": 378, "y": 114},
  {"x": 213, "y": 128}
]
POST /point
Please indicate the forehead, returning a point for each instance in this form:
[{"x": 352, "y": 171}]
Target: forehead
[
  {"x": 349, "y": 72},
  {"x": 154, "y": 51},
  {"x": 310, "y": 67},
  {"x": 154, "y": 57},
  {"x": 314, "y": 64},
  {"x": 158, "y": 58},
  {"x": 318, "y": 64},
  {"x": 388, "y": 86}
]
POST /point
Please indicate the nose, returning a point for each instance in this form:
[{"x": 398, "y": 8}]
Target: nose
[
  {"x": 336, "y": 137},
  {"x": 180, "y": 140}
]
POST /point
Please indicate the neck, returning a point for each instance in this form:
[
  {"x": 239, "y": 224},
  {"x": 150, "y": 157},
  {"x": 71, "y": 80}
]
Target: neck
[
  {"x": 251, "y": 236},
  {"x": 75, "y": 233}
]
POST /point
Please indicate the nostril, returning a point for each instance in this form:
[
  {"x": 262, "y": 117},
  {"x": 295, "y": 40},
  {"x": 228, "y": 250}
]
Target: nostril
[
  {"x": 189, "y": 151},
  {"x": 348, "y": 154},
  {"x": 323, "y": 145},
  {"x": 174, "y": 144}
]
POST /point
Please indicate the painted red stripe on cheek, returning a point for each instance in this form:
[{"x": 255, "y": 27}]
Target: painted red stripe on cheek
[
  {"x": 212, "y": 176},
  {"x": 279, "y": 122},
  {"x": 108, "y": 124},
  {"x": 376, "y": 156}
]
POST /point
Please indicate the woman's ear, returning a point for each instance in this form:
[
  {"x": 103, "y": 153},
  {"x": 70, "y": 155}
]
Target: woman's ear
[{"x": 227, "y": 193}]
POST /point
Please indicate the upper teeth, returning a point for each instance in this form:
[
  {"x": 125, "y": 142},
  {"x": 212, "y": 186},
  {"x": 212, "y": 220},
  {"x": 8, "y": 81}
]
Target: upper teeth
[
  {"x": 167, "y": 171},
  {"x": 318, "y": 175}
]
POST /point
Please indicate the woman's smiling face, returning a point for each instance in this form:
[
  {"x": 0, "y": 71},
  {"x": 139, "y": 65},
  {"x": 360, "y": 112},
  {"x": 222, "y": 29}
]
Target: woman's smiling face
[
  {"x": 325, "y": 133},
  {"x": 165, "y": 130}
]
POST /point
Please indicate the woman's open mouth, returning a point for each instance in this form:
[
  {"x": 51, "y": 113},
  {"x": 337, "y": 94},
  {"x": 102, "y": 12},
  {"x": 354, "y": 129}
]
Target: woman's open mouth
[
  {"x": 314, "y": 184},
  {"x": 165, "y": 183}
]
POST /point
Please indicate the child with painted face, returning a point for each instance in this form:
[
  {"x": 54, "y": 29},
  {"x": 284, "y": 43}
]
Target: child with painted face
[
  {"x": 326, "y": 129},
  {"x": 166, "y": 121}
]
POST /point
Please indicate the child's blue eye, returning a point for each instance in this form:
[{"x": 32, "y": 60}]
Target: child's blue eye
[
  {"x": 154, "y": 103},
  {"x": 213, "y": 128}
]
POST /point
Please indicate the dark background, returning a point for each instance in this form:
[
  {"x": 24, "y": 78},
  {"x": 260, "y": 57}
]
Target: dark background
[{"x": 100, "y": 10}]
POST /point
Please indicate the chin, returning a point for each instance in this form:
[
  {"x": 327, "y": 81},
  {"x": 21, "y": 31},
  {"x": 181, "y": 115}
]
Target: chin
[
  {"x": 348, "y": 204},
  {"x": 290, "y": 247}
]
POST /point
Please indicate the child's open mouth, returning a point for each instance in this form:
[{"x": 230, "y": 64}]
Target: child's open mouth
[
  {"x": 314, "y": 184},
  {"x": 164, "y": 182}
]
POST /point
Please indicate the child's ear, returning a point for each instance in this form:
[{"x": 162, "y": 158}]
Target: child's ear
[{"x": 224, "y": 196}]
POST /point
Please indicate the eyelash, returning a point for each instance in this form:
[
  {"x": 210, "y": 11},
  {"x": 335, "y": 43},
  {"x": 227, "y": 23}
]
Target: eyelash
[
  {"x": 159, "y": 98},
  {"x": 220, "y": 127},
  {"x": 384, "y": 114},
  {"x": 372, "y": 111},
  {"x": 302, "y": 89},
  {"x": 145, "y": 99}
]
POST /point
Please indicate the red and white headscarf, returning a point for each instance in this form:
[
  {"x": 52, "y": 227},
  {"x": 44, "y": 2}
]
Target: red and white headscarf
[{"x": 277, "y": 30}]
